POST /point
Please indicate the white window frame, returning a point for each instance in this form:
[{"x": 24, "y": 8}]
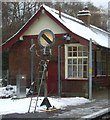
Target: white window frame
[{"x": 66, "y": 61}]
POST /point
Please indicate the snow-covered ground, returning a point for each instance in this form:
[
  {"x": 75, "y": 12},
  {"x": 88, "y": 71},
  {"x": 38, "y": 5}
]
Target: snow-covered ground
[
  {"x": 9, "y": 105},
  {"x": 7, "y": 91}
]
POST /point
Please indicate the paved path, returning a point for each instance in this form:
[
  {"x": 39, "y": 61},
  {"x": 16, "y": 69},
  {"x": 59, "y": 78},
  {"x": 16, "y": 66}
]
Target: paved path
[
  {"x": 78, "y": 112},
  {"x": 98, "y": 106}
]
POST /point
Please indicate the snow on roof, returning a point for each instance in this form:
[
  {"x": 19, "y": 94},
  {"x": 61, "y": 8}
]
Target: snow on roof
[
  {"x": 84, "y": 13},
  {"x": 99, "y": 36},
  {"x": 78, "y": 27}
]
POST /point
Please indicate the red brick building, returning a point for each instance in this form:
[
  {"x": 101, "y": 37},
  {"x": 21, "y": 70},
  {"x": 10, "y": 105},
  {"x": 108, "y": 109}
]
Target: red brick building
[{"x": 68, "y": 69}]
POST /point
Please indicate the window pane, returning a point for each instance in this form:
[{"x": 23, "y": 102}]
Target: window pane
[
  {"x": 80, "y": 74},
  {"x": 103, "y": 56},
  {"x": 69, "y": 54},
  {"x": 74, "y": 68},
  {"x": 80, "y": 61},
  {"x": 74, "y": 48},
  {"x": 84, "y": 74},
  {"x": 69, "y": 71},
  {"x": 98, "y": 68},
  {"x": 103, "y": 68},
  {"x": 80, "y": 48},
  {"x": 84, "y": 53},
  {"x": 74, "y": 54},
  {"x": 85, "y": 68},
  {"x": 109, "y": 68},
  {"x": 79, "y": 67},
  {"x": 74, "y": 71},
  {"x": 85, "y": 61},
  {"x": 74, "y": 61},
  {"x": 93, "y": 68},
  {"x": 108, "y": 56},
  {"x": 79, "y": 53},
  {"x": 84, "y": 48},
  {"x": 98, "y": 56},
  {"x": 69, "y": 48},
  {"x": 69, "y": 61},
  {"x": 75, "y": 74}
]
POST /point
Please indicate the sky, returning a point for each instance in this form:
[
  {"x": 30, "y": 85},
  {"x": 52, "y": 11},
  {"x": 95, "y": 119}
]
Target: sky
[{"x": 98, "y": 3}]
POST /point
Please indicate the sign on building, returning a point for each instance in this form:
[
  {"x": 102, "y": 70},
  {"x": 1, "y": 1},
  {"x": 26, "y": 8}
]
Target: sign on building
[{"x": 46, "y": 38}]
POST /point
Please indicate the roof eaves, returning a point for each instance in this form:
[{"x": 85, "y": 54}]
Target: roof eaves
[{"x": 99, "y": 29}]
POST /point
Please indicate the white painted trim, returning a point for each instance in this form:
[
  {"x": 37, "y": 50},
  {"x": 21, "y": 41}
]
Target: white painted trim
[
  {"x": 66, "y": 61},
  {"x": 77, "y": 78}
]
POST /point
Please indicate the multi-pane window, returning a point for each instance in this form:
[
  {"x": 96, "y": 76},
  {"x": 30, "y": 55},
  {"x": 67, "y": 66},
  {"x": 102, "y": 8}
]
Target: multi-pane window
[
  {"x": 93, "y": 63},
  {"x": 108, "y": 63},
  {"x": 98, "y": 62},
  {"x": 76, "y": 61},
  {"x": 101, "y": 63}
]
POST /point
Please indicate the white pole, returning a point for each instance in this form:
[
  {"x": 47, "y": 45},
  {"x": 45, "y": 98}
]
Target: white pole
[{"x": 90, "y": 69}]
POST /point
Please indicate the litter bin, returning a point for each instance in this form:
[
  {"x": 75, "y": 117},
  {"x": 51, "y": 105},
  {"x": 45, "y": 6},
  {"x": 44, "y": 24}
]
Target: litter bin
[{"x": 21, "y": 85}]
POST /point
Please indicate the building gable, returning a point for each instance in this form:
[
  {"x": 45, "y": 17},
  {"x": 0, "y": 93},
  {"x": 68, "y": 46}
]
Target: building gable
[
  {"x": 48, "y": 18},
  {"x": 43, "y": 22}
]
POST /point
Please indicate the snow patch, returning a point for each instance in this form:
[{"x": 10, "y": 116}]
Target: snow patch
[
  {"x": 8, "y": 91},
  {"x": 9, "y": 105}
]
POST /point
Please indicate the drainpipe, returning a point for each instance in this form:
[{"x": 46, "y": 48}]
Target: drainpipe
[
  {"x": 59, "y": 71},
  {"x": 90, "y": 69}
]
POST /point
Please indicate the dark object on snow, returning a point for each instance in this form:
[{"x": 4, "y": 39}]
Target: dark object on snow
[
  {"x": 4, "y": 82},
  {"x": 46, "y": 102},
  {"x": 30, "y": 93},
  {"x": 9, "y": 88}
]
